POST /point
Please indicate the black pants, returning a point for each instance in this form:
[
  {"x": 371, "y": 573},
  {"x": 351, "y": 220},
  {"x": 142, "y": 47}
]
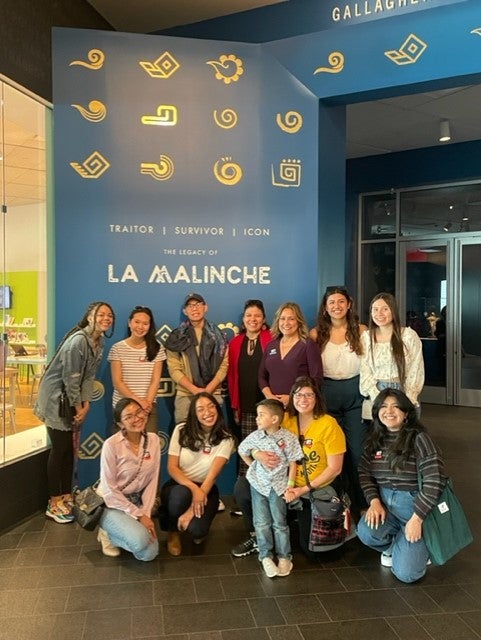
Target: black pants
[
  {"x": 176, "y": 499},
  {"x": 242, "y": 493},
  {"x": 60, "y": 462}
]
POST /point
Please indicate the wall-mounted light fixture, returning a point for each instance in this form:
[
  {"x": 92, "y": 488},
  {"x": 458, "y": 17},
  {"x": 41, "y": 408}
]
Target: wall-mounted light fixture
[
  {"x": 444, "y": 131},
  {"x": 447, "y": 226}
]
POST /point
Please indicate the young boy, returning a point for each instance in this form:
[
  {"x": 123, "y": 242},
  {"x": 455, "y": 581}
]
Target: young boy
[{"x": 268, "y": 485}]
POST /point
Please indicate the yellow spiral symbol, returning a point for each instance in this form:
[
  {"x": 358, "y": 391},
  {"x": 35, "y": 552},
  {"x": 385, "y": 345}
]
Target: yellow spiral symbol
[
  {"x": 336, "y": 60},
  {"x": 95, "y": 113},
  {"x": 226, "y": 119},
  {"x": 161, "y": 171},
  {"x": 228, "y": 173},
  {"x": 291, "y": 123},
  {"x": 96, "y": 59}
]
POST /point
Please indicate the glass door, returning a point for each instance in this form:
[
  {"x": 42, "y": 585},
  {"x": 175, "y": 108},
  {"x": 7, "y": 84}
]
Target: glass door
[
  {"x": 467, "y": 351},
  {"x": 441, "y": 299},
  {"x": 426, "y": 307}
]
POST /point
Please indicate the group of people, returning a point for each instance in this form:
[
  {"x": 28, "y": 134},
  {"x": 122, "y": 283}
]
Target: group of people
[{"x": 295, "y": 395}]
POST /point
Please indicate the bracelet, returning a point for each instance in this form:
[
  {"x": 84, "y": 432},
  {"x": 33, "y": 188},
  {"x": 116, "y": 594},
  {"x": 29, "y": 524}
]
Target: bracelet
[{"x": 291, "y": 483}]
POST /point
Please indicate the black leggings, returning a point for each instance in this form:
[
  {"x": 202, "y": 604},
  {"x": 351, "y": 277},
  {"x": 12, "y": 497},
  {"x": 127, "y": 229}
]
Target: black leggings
[{"x": 60, "y": 462}]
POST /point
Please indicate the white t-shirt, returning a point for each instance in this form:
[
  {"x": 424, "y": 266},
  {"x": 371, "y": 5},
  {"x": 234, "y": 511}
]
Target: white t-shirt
[
  {"x": 340, "y": 362},
  {"x": 196, "y": 464}
]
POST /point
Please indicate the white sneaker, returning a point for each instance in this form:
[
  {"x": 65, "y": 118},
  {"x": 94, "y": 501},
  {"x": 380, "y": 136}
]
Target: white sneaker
[
  {"x": 108, "y": 548},
  {"x": 386, "y": 560},
  {"x": 284, "y": 567},
  {"x": 221, "y": 506},
  {"x": 269, "y": 567}
]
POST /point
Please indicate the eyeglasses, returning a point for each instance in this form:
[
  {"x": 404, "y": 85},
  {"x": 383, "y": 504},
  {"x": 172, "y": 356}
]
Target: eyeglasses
[
  {"x": 194, "y": 305},
  {"x": 138, "y": 415},
  {"x": 307, "y": 396}
]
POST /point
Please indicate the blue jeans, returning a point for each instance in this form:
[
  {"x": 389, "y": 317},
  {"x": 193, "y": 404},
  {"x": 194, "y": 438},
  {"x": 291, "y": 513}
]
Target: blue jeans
[
  {"x": 127, "y": 533},
  {"x": 408, "y": 558},
  {"x": 270, "y": 524}
]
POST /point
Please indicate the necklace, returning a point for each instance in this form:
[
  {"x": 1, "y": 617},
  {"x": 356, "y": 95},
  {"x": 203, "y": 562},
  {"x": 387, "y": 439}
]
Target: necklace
[{"x": 251, "y": 346}]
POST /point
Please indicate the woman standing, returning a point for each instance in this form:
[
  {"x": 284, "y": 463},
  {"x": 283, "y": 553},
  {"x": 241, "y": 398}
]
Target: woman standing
[
  {"x": 338, "y": 335},
  {"x": 291, "y": 354},
  {"x": 245, "y": 354},
  {"x": 324, "y": 446},
  {"x": 402, "y": 475},
  {"x": 136, "y": 364},
  {"x": 129, "y": 476},
  {"x": 198, "y": 451},
  {"x": 72, "y": 369},
  {"x": 392, "y": 355}
]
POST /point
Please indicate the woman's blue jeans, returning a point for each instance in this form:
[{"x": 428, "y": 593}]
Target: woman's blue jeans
[
  {"x": 127, "y": 533},
  {"x": 408, "y": 558},
  {"x": 270, "y": 523}
]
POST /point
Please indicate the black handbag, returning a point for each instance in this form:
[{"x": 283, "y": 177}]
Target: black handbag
[
  {"x": 328, "y": 517},
  {"x": 88, "y": 506},
  {"x": 65, "y": 410}
]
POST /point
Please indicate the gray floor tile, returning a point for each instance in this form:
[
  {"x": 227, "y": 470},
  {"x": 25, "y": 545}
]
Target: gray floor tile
[
  {"x": 447, "y": 626},
  {"x": 114, "y": 624},
  {"x": 266, "y": 612},
  {"x": 180, "y": 591},
  {"x": 230, "y": 614},
  {"x": 375, "y": 629},
  {"x": 208, "y": 589},
  {"x": 146, "y": 621},
  {"x": 451, "y": 598},
  {"x": 243, "y": 586},
  {"x": 364, "y": 604},
  {"x": 284, "y": 633},
  {"x": 251, "y": 634},
  {"x": 301, "y": 610},
  {"x": 111, "y": 596}
]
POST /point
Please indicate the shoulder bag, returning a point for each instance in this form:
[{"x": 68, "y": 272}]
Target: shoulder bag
[
  {"x": 88, "y": 504},
  {"x": 445, "y": 530}
]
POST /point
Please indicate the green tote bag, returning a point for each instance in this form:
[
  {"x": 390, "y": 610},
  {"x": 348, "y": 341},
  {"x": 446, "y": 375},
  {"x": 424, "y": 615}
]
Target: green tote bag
[{"x": 446, "y": 530}]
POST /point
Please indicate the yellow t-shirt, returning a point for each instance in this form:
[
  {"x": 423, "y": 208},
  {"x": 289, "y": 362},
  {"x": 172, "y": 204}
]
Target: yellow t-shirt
[{"x": 323, "y": 437}]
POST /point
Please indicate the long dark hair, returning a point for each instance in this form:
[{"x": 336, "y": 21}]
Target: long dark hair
[
  {"x": 151, "y": 343},
  {"x": 403, "y": 446},
  {"x": 320, "y": 407},
  {"x": 93, "y": 307},
  {"x": 397, "y": 345},
  {"x": 192, "y": 436},
  {"x": 324, "y": 323}
]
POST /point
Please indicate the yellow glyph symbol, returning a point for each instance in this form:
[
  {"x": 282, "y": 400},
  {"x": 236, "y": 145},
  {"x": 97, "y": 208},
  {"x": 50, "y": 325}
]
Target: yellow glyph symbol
[
  {"x": 162, "y": 171},
  {"x": 227, "y": 172},
  {"x": 164, "y": 442},
  {"x": 96, "y": 59},
  {"x": 95, "y": 113},
  {"x": 226, "y": 119},
  {"x": 227, "y": 68},
  {"x": 166, "y": 116},
  {"x": 289, "y": 174},
  {"x": 93, "y": 167},
  {"x": 91, "y": 447},
  {"x": 166, "y": 388},
  {"x": 163, "y": 333},
  {"x": 98, "y": 390},
  {"x": 409, "y": 52},
  {"x": 291, "y": 123},
  {"x": 336, "y": 60},
  {"x": 163, "y": 67}
]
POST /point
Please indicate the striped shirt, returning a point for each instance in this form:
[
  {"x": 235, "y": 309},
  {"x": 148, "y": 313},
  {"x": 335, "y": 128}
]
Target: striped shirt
[
  {"x": 375, "y": 472},
  {"x": 136, "y": 369}
]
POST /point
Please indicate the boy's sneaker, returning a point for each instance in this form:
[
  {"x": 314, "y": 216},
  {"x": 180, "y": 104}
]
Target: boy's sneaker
[
  {"x": 386, "y": 560},
  {"x": 245, "y": 548},
  {"x": 284, "y": 567},
  {"x": 221, "y": 506},
  {"x": 269, "y": 567},
  {"x": 58, "y": 514}
]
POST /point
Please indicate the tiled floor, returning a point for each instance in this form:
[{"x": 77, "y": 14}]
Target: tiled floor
[{"x": 55, "y": 584}]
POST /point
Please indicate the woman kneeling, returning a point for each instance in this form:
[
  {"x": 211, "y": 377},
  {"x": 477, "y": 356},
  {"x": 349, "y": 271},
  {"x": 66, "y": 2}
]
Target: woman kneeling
[
  {"x": 402, "y": 475},
  {"x": 129, "y": 476},
  {"x": 199, "y": 449}
]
